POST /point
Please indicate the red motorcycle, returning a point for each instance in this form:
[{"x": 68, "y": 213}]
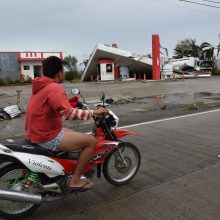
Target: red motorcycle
[{"x": 33, "y": 175}]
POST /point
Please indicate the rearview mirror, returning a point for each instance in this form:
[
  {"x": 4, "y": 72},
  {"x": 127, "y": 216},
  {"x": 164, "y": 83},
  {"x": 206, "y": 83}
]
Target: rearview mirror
[{"x": 75, "y": 91}]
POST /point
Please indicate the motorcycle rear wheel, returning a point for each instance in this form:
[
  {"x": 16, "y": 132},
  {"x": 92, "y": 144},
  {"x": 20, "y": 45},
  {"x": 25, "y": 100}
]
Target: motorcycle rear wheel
[
  {"x": 114, "y": 171},
  {"x": 11, "y": 209}
]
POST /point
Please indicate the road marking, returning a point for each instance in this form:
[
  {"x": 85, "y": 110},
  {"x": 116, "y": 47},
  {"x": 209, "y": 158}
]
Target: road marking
[{"x": 168, "y": 119}]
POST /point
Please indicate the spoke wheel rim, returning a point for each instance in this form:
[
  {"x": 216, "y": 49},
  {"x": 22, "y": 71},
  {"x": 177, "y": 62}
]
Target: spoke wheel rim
[
  {"x": 119, "y": 173},
  {"x": 12, "y": 207}
]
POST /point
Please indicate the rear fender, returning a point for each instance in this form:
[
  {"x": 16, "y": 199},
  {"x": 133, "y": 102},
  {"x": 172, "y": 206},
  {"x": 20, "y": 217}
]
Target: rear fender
[
  {"x": 119, "y": 133},
  {"x": 35, "y": 163}
]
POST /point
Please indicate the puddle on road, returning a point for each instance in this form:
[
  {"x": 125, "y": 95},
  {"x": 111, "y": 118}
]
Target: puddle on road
[
  {"x": 180, "y": 101},
  {"x": 203, "y": 94},
  {"x": 179, "y": 98}
]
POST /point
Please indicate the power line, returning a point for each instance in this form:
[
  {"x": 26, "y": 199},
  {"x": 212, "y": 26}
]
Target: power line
[
  {"x": 197, "y": 3},
  {"x": 211, "y": 1},
  {"x": 185, "y": 7}
]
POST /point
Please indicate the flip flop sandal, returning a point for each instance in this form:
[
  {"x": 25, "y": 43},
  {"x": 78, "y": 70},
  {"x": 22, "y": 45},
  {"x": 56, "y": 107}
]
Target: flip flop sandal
[{"x": 80, "y": 188}]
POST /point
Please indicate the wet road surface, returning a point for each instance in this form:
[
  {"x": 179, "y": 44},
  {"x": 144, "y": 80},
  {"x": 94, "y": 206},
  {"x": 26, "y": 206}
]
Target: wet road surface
[
  {"x": 179, "y": 177},
  {"x": 179, "y": 174},
  {"x": 149, "y": 97}
]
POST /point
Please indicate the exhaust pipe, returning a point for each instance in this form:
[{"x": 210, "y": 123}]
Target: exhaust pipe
[{"x": 20, "y": 197}]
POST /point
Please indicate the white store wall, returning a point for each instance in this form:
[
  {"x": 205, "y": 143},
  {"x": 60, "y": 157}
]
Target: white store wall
[
  {"x": 104, "y": 74},
  {"x": 31, "y": 64},
  {"x": 32, "y": 61}
]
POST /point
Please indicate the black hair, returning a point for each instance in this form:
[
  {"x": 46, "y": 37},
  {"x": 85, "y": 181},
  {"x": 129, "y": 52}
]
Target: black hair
[{"x": 51, "y": 66}]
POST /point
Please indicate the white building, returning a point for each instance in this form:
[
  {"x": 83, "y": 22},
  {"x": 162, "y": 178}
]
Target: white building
[
  {"x": 23, "y": 65},
  {"x": 31, "y": 62}
]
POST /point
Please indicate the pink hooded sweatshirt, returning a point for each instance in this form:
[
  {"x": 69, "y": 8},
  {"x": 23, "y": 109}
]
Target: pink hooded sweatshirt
[{"x": 46, "y": 109}]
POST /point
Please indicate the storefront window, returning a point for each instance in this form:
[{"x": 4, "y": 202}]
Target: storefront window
[
  {"x": 26, "y": 67},
  {"x": 109, "y": 68}
]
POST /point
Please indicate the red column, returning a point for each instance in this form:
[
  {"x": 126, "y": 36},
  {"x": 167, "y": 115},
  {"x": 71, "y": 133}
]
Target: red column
[
  {"x": 20, "y": 66},
  {"x": 156, "y": 57},
  {"x": 61, "y": 55}
]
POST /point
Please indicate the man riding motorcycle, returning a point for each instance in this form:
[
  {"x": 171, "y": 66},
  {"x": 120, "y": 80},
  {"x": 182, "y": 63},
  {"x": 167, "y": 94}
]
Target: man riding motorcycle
[{"x": 46, "y": 109}]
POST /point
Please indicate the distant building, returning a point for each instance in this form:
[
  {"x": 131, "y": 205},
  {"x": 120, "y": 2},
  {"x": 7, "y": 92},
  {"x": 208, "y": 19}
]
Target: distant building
[
  {"x": 110, "y": 63},
  {"x": 18, "y": 65}
]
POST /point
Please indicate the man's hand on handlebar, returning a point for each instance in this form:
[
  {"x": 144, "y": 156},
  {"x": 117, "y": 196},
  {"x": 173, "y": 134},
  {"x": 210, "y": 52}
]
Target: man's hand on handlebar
[{"x": 100, "y": 111}]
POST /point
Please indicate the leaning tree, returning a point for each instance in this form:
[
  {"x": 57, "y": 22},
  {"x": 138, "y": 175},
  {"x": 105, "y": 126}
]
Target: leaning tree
[{"x": 70, "y": 62}]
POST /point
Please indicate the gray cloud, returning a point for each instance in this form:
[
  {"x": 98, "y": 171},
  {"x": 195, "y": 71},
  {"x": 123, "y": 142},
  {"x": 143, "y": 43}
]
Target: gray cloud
[{"x": 75, "y": 27}]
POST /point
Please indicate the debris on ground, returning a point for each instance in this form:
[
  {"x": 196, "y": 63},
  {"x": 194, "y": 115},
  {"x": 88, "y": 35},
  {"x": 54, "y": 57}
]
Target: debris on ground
[
  {"x": 159, "y": 101},
  {"x": 9, "y": 112},
  {"x": 123, "y": 101},
  {"x": 193, "y": 107},
  {"x": 109, "y": 101}
]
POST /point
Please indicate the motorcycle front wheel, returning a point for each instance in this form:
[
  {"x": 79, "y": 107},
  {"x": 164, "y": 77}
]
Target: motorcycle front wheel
[
  {"x": 119, "y": 172},
  {"x": 13, "y": 177}
]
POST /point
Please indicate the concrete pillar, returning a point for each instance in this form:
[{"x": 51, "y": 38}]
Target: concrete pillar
[{"x": 156, "y": 57}]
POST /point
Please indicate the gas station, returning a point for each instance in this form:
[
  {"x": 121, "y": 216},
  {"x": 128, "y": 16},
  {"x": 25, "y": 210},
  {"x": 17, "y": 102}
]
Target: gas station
[{"x": 108, "y": 63}]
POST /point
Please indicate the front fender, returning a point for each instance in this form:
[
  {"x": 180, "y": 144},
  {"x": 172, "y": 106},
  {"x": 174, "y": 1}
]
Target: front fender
[{"x": 119, "y": 133}]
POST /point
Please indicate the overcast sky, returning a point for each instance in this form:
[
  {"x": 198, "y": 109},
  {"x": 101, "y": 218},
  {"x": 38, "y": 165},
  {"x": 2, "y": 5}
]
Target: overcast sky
[{"x": 76, "y": 26}]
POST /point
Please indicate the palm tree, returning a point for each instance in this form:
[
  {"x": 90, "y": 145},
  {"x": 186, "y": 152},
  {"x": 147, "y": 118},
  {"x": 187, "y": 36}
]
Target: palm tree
[
  {"x": 70, "y": 62},
  {"x": 208, "y": 51},
  {"x": 218, "y": 49},
  {"x": 84, "y": 63},
  {"x": 186, "y": 48}
]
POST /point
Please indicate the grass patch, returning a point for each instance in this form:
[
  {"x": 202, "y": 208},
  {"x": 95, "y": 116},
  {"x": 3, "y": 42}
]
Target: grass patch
[{"x": 195, "y": 106}]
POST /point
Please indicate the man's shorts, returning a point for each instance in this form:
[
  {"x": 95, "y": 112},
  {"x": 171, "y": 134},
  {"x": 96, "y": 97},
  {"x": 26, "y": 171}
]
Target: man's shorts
[{"x": 53, "y": 144}]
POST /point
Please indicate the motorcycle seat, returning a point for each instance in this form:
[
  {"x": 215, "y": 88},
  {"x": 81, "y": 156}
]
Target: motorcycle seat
[{"x": 22, "y": 145}]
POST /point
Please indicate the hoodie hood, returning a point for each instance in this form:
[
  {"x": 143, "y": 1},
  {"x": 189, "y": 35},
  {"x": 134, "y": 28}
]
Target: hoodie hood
[{"x": 40, "y": 82}]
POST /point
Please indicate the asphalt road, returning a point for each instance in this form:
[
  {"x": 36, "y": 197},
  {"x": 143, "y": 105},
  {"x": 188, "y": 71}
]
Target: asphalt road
[
  {"x": 177, "y": 95},
  {"x": 179, "y": 177}
]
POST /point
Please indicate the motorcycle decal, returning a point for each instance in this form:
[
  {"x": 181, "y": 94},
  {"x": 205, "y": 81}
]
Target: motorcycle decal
[
  {"x": 103, "y": 148},
  {"x": 36, "y": 163},
  {"x": 101, "y": 154},
  {"x": 106, "y": 143},
  {"x": 39, "y": 164}
]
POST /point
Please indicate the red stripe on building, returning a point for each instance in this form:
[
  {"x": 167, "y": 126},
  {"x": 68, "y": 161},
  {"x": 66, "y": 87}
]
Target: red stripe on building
[
  {"x": 105, "y": 61},
  {"x": 31, "y": 59},
  {"x": 20, "y": 73}
]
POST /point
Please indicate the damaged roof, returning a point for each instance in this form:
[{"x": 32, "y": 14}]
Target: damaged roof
[{"x": 135, "y": 62}]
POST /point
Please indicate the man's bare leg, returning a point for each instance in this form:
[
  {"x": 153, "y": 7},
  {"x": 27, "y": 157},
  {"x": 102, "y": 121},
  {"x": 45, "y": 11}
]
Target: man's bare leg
[{"x": 78, "y": 141}]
